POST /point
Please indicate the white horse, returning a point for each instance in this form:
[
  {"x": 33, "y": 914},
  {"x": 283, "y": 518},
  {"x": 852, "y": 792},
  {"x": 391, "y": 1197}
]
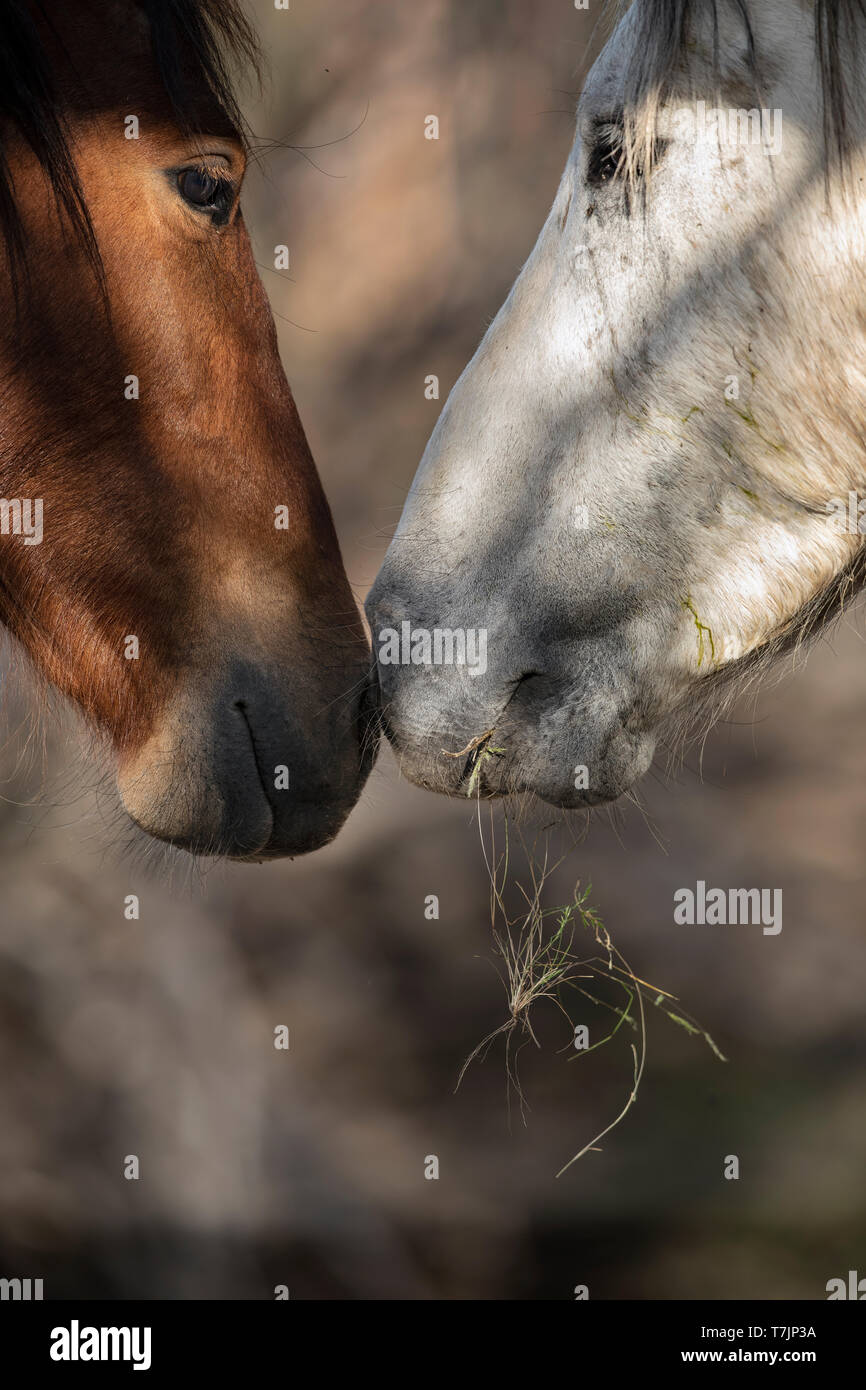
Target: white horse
[{"x": 648, "y": 479}]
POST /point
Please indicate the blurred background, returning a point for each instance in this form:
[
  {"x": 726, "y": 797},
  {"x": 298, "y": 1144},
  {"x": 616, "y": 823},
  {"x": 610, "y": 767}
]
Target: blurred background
[{"x": 155, "y": 1037}]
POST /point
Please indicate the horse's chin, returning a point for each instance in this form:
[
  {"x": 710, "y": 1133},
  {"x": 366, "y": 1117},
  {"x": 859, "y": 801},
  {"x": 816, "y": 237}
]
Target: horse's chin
[
  {"x": 521, "y": 763},
  {"x": 260, "y": 840}
]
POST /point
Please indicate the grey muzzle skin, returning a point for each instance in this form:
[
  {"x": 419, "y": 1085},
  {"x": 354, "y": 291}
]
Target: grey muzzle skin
[{"x": 516, "y": 727}]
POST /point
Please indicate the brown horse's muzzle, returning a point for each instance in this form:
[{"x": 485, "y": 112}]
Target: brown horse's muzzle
[{"x": 254, "y": 769}]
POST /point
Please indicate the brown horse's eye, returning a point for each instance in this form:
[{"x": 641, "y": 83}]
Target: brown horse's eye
[{"x": 206, "y": 192}]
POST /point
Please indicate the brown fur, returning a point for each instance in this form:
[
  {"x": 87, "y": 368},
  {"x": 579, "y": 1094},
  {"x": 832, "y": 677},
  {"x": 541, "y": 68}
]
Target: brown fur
[{"x": 158, "y": 512}]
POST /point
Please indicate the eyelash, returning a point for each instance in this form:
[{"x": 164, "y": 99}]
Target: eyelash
[
  {"x": 604, "y": 163},
  {"x": 605, "y": 153}
]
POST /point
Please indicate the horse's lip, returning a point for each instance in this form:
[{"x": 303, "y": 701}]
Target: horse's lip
[{"x": 471, "y": 767}]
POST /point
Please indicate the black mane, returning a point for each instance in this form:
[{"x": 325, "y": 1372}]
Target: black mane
[{"x": 189, "y": 37}]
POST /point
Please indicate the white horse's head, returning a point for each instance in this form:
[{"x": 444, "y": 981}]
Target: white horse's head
[{"x": 650, "y": 474}]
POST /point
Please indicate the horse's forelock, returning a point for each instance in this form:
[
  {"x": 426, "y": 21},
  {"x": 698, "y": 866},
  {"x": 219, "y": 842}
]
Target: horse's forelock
[
  {"x": 208, "y": 36},
  {"x": 661, "y": 36},
  {"x": 194, "y": 44},
  {"x": 29, "y": 111}
]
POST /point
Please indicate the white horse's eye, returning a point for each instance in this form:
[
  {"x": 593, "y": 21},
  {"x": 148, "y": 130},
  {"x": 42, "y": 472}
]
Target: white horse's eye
[
  {"x": 605, "y": 160},
  {"x": 605, "y": 152}
]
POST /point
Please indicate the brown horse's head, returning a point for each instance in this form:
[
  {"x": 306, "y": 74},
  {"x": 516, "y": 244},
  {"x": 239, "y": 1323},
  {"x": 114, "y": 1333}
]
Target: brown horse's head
[{"x": 167, "y": 556}]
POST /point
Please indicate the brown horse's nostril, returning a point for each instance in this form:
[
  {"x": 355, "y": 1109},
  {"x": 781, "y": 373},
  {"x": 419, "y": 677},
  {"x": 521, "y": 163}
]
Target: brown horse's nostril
[
  {"x": 243, "y": 775},
  {"x": 241, "y": 707}
]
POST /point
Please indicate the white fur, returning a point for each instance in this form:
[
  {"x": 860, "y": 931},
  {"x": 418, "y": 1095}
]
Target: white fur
[{"x": 602, "y": 382}]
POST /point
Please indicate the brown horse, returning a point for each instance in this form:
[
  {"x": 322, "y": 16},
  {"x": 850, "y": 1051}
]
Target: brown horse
[{"x": 167, "y": 556}]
